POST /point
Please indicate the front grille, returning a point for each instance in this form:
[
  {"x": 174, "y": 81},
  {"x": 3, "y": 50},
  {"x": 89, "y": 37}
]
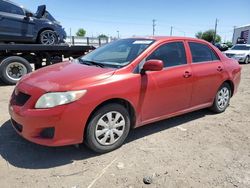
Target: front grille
[
  {"x": 17, "y": 126},
  {"x": 20, "y": 99}
]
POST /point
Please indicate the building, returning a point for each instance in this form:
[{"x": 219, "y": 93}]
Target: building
[{"x": 241, "y": 35}]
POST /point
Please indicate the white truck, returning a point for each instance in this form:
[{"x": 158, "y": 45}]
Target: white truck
[{"x": 241, "y": 35}]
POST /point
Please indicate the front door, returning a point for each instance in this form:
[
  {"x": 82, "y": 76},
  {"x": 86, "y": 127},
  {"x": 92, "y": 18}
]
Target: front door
[{"x": 167, "y": 91}]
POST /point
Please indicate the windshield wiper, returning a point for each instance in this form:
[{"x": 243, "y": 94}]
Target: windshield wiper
[{"x": 88, "y": 62}]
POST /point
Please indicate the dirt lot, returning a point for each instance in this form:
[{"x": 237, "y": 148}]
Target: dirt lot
[{"x": 199, "y": 149}]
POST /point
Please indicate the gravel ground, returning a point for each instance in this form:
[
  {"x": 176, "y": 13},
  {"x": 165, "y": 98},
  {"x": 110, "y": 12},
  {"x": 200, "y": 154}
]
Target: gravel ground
[{"x": 198, "y": 149}]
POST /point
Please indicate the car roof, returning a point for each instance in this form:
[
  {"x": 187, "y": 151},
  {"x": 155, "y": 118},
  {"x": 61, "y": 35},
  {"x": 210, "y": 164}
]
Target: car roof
[
  {"x": 165, "y": 38},
  {"x": 13, "y": 3}
]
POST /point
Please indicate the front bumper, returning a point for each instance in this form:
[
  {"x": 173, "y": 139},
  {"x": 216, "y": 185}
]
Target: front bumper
[
  {"x": 240, "y": 59},
  {"x": 61, "y": 35},
  {"x": 67, "y": 121}
]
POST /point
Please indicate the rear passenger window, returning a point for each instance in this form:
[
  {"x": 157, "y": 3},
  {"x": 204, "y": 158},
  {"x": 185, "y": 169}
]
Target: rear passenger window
[
  {"x": 10, "y": 8},
  {"x": 201, "y": 52},
  {"x": 172, "y": 54}
]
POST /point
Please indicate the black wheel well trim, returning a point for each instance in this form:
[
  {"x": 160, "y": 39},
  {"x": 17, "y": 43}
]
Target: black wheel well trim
[
  {"x": 120, "y": 101},
  {"x": 231, "y": 84}
]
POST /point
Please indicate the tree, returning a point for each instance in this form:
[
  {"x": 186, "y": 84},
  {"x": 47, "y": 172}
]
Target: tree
[
  {"x": 208, "y": 36},
  {"x": 198, "y": 35},
  {"x": 81, "y": 32},
  {"x": 229, "y": 44},
  {"x": 102, "y": 36}
]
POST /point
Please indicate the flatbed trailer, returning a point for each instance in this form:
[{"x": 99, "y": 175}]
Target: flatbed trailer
[{"x": 16, "y": 59}]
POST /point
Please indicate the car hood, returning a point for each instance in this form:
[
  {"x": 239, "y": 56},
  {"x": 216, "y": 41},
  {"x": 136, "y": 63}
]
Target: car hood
[
  {"x": 237, "y": 52},
  {"x": 66, "y": 76}
]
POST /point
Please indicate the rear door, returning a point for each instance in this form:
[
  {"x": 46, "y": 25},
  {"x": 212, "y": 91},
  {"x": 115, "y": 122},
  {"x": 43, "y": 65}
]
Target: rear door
[
  {"x": 207, "y": 71},
  {"x": 14, "y": 24}
]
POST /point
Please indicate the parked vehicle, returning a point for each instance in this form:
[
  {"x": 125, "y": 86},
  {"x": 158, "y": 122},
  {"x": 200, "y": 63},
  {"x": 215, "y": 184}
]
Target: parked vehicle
[
  {"x": 19, "y": 25},
  {"x": 98, "y": 98},
  {"x": 239, "y": 52},
  {"x": 221, "y": 46},
  {"x": 15, "y": 59}
]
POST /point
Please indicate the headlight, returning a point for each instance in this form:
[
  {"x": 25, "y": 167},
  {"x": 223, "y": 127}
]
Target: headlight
[{"x": 50, "y": 100}]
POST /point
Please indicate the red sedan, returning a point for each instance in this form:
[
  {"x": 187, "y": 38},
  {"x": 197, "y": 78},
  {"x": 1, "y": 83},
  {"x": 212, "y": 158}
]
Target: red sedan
[{"x": 128, "y": 83}]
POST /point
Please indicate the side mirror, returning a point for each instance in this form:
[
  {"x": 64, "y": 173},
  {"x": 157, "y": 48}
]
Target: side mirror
[
  {"x": 28, "y": 14},
  {"x": 152, "y": 65}
]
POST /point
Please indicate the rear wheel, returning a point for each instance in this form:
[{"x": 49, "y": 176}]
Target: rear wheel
[
  {"x": 108, "y": 128},
  {"x": 13, "y": 68},
  {"x": 48, "y": 37},
  {"x": 222, "y": 98}
]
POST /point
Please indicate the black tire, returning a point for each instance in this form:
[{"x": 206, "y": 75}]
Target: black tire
[
  {"x": 13, "y": 68},
  {"x": 217, "y": 108},
  {"x": 48, "y": 37},
  {"x": 246, "y": 60},
  {"x": 91, "y": 139}
]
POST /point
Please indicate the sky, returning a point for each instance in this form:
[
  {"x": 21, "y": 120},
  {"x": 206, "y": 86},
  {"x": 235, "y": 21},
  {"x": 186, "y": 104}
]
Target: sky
[{"x": 134, "y": 17}]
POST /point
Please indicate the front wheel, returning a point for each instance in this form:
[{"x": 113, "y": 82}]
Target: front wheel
[
  {"x": 247, "y": 60},
  {"x": 108, "y": 128},
  {"x": 48, "y": 37},
  {"x": 222, "y": 98}
]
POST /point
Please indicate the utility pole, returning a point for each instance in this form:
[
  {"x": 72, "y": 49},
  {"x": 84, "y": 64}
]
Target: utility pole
[
  {"x": 70, "y": 34},
  {"x": 215, "y": 30},
  {"x": 171, "y": 31},
  {"x": 154, "y": 26},
  {"x": 118, "y": 34},
  {"x": 234, "y": 35}
]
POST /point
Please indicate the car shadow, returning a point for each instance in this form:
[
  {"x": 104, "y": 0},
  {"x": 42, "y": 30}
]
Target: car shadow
[
  {"x": 2, "y": 84},
  {"x": 24, "y": 154}
]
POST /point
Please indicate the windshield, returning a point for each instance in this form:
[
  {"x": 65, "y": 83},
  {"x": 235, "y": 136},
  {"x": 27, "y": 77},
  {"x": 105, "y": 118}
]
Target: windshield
[
  {"x": 118, "y": 53},
  {"x": 239, "y": 47}
]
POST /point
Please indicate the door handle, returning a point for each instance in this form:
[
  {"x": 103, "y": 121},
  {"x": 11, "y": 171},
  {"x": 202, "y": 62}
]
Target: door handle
[
  {"x": 187, "y": 74},
  {"x": 219, "y": 69}
]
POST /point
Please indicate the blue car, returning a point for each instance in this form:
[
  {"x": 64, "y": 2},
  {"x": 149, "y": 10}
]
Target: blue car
[{"x": 20, "y": 25}]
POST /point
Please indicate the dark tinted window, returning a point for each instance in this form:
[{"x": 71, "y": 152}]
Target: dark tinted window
[
  {"x": 171, "y": 54},
  {"x": 201, "y": 53},
  {"x": 10, "y": 8}
]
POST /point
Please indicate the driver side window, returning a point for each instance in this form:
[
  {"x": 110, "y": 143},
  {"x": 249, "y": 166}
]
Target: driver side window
[
  {"x": 10, "y": 8},
  {"x": 172, "y": 54}
]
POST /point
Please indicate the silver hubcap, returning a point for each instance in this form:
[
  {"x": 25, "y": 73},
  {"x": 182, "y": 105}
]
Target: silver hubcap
[
  {"x": 16, "y": 70},
  {"x": 110, "y": 127},
  {"x": 223, "y": 98},
  {"x": 48, "y": 38}
]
